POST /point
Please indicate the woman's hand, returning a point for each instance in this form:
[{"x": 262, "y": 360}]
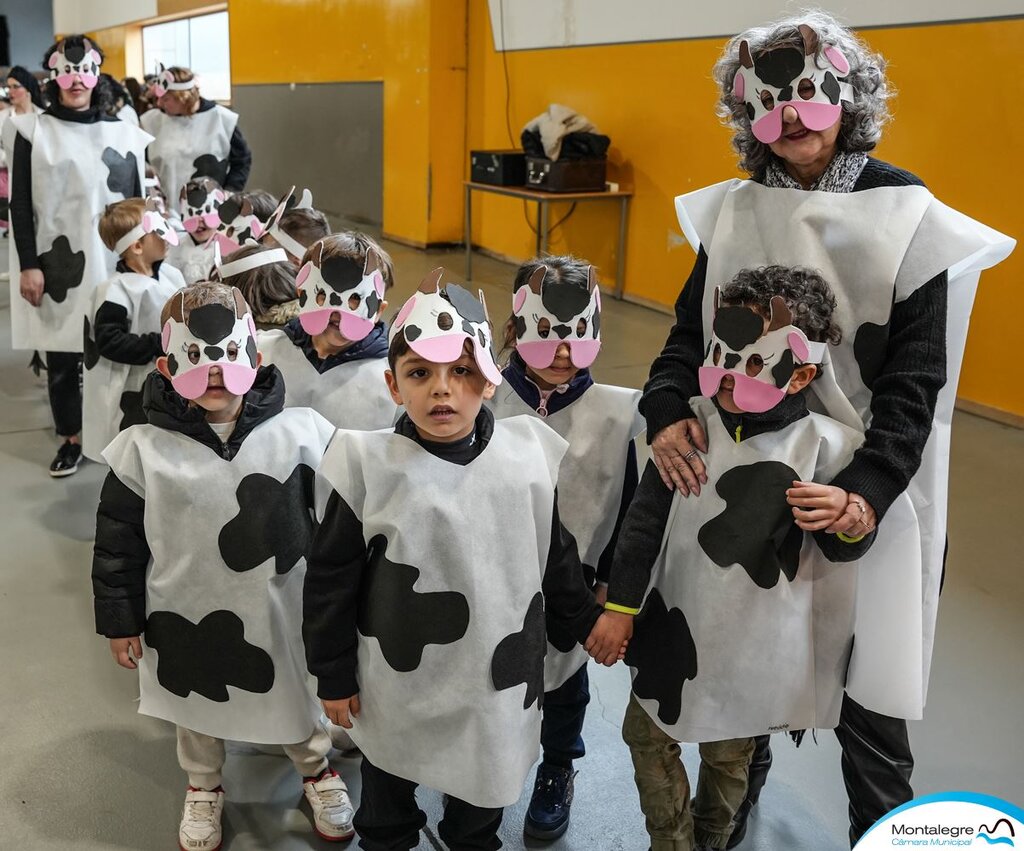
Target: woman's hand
[
  {"x": 126, "y": 651},
  {"x": 32, "y": 286},
  {"x": 816, "y": 507},
  {"x": 339, "y": 711},
  {"x": 675, "y": 455},
  {"x": 858, "y": 519}
]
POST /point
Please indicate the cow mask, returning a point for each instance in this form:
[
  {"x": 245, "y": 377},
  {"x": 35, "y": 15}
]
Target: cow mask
[
  {"x": 344, "y": 286},
  {"x": 152, "y": 222},
  {"x": 238, "y": 224},
  {"x": 200, "y": 202},
  {"x": 761, "y": 357},
  {"x": 287, "y": 242},
  {"x": 547, "y": 315},
  {"x": 213, "y": 335},
  {"x": 790, "y": 76},
  {"x": 437, "y": 321},
  {"x": 70, "y": 61},
  {"x": 165, "y": 83}
]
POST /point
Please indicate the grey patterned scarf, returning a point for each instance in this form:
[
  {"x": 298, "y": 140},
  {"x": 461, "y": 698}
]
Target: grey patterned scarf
[{"x": 840, "y": 175}]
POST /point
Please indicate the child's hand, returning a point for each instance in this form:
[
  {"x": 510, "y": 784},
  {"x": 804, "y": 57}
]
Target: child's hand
[
  {"x": 816, "y": 507},
  {"x": 609, "y": 637},
  {"x": 126, "y": 651},
  {"x": 340, "y": 710}
]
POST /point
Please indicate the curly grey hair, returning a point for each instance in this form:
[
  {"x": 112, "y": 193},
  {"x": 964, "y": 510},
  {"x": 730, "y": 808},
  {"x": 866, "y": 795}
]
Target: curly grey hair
[{"x": 862, "y": 120}]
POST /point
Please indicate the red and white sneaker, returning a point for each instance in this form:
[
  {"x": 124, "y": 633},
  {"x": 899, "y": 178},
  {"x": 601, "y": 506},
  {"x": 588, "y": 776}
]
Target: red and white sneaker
[
  {"x": 332, "y": 809},
  {"x": 200, "y": 820}
]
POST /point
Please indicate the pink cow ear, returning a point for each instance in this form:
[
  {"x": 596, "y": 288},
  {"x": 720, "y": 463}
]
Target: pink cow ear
[
  {"x": 54, "y": 59},
  {"x": 378, "y": 284},
  {"x": 739, "y": 86},
  {"x": 799, "y": 346},
  {"x": 838, "y": 60}
]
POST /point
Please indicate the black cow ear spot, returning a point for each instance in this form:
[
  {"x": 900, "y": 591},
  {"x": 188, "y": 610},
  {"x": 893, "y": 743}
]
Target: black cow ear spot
[
  {"x": 664, "y": 655},
  {"x": 403, "y": 620},
  {"x": 519, "y": 658},
  {"x": 756, "y": 528},
  {"x": 185, "y": 663},
  {"x": 274, "y": 520}
]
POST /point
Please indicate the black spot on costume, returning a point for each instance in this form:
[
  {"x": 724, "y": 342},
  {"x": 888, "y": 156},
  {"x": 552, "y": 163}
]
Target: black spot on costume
[
  {"x": 519, "y": 658},
  {"x": 124, "y": 172},
  {"x": 90, "y": 354},
  {"x": 185, "y": 663},
  {"x": 272, "y": 522},
  {"x": 403, "y": 620},
  {"x": 208, "y": 165},
  {"x": 756, "y": 529},
  {"x": 869, "y": 350},
  {"x": 62, "y": 268},
  {"x": 664, "y": 655}
]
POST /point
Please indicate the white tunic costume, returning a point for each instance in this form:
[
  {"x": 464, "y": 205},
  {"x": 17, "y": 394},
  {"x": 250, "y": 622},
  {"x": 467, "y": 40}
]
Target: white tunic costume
[
  {"x": 224, "y": 653},
  {"x": 598, "y": 426},
  {"x": 112, "y": 391},
  {"x": 351, "y": 395},
  {"x": 874, "y": 247},
  {"x": 187, "y": 146},
  {"x": 77, "y": 169},
  {"x": 746, "y": 629},
  {"x": 194, "y": 261},
  {"x": 451, "y": 626}
]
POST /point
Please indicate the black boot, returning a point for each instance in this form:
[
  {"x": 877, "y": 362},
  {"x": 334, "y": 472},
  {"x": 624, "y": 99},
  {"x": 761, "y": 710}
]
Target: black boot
[
  {"x": 760, "y": 763},
  {"x": 547, "y": 817}
]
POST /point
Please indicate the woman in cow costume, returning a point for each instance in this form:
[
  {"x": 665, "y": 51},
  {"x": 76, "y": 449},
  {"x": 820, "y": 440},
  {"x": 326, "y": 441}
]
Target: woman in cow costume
[
  {"x": 806, "y": 100},
  {"x": 555, "y": 334},
  {"x": 193, "y": 137},
  {"x": 68, "y": 164}
]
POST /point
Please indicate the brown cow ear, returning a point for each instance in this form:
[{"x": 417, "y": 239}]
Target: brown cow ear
[
  {"x": 177, "y": 311},
  {"x": 810, "y": 38},
  {"x": 432, "y": 282},
  {"x": 717, "y": 301},
  {"x": 241, "y": 308},
  {"x": 781, "y": 315},
  {"x": 591, "y": 278},
  {"x": 745, "y": 59},
  {"x": 372, "y": 263},
  {"x": 537, "y": 279},
  {"x": 246, "y": 208}
]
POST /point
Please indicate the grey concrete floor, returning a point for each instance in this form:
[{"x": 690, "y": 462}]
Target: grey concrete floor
[{"x": 81, "y": 769}]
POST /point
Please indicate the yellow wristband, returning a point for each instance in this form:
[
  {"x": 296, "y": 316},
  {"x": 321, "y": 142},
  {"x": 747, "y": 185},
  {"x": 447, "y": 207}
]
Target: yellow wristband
[
  {"x": 846, "y": 539},
  {"x": 625, "y": 610}
]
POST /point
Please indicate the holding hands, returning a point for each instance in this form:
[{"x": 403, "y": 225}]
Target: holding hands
[
  {"x": 825, "y": 507},
  {"x": 610, "y": 637}
]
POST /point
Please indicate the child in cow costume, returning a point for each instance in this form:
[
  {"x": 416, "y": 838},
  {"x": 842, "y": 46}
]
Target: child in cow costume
[
  {"x": 122, "y": 331},
  {"x": 199, "y": 203},
  {"x": 439, "y": 554},
  {"x": 744, "y": 606},
  {"x": 333, "y": 356},
  {"x": 201, "y": 537},
  {"x": 295, "y": 225},
  {"x": 555, "y": 334}
]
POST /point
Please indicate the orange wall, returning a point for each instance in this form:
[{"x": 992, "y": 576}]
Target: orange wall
[
  {"x": 417, "y": 48},
  {"x": 656, "y": 101}
]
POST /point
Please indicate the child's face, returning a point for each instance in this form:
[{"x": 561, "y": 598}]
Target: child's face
[
  {"x": 154, "y": 248},
  {"x": 332, "y": 339},
  {"x": 443, "y": 400},
  {"x": 561, "y": 370},
  {"x": 220, "y": 404},
  {"x": 201, "y": 234}
]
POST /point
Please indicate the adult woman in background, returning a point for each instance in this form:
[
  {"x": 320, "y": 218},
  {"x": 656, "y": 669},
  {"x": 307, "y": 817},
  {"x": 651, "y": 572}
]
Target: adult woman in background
[
  {"x": 68, "y": 163},
  {"x": 806, "y": 100},
  {"x": 26, "y": 97},
  {"x": 193, "y": 137}
]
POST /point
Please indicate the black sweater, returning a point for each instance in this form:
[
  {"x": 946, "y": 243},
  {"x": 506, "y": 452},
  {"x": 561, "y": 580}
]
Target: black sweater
[
  {"x": 644, "y": 527},
  {"x": 239, "y": 156},
  {"x": 121, "y": 553},
  {"x": 339, "y": 557},
  {"x": 23, "y": 218},
  {"x": 903, "y": 396},
  {"x": 115, "y": 339}
]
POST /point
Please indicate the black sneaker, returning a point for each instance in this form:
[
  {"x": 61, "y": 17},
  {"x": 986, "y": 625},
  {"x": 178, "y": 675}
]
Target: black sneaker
[
  {"x": 547, "y": 817},
  {"x": 69, "y": 456},
  {"x": 760, "y": 765}
]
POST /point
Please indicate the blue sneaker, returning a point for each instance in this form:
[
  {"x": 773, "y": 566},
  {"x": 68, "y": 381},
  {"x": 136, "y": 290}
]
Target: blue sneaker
[{"x": 547, "y": 817}]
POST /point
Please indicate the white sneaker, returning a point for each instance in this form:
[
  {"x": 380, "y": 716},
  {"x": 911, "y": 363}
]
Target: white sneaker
[
  {"x": 340, "y": 739},
  {"x": 332, "y": 809},
  {"x": 200, "y": 821}
]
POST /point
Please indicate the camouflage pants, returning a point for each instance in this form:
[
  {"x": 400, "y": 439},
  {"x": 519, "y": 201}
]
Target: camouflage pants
[{"x": 665, "y": 789}]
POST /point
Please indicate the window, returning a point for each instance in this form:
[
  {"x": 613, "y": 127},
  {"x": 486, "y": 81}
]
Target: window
[{"x": 199, "y": 43}]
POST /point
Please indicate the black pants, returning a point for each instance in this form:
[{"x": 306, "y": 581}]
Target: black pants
[
  {"x": 389, "y": 819},
  {"x": 877, "y": 764},
  {"x": 62, "y": 381},
  {"x": 561, "y": 729}
]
